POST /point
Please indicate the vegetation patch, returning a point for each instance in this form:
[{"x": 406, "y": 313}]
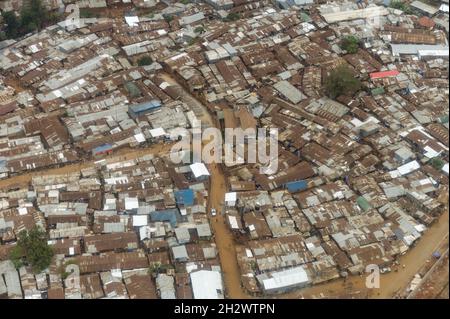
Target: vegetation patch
[
  {"x": 32, "y": 250},
  {"x": 341, "y": 81}
]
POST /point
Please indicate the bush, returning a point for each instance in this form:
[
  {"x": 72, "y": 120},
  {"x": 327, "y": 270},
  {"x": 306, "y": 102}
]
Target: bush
[
  {"x": 350, "y": 44},
  {"x": 86, "y": 14},
  {"x": 398, "y": 4},
  {"x": 12, "y": 24},
  {"x": 232, "y": 17},
  {"x": 145, "y": 60},
  {"x": 33, "y": 16},
  {"x": 168, "y": 18},
  {"x": 199, "y": 29},
  {"x": 341, "y": 81},
  {"x": 32, "y": 250},
  {"x": 437, "y": 163}
]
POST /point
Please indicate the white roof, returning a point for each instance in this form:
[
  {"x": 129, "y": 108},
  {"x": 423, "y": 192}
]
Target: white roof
[
  {"x": 352, "y": 14},
  {"x": 230, "y": 197},
  {"x": 233, "y": 222},
  {"x": 199, "y": 169},
  {"x": 131, "y": 203},
  {"x": 430, "y": 152},
  {"x": 408, "y": 167},
  {"x": 445, "y": 168},
  {"x": 157, "y": 132},
  {"x": 444, "y": 7},
  {"x": 206, "y": 284},
  {"x": 286, "y": 278},
  {"x": 415, "y": 48},
  {"x": 144, "y": 232},
  {"x": 140, "y": 138},
  {"x": 132, "y": 21},
  {"x": 140, "y": 220}
]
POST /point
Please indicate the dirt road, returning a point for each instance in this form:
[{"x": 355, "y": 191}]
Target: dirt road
[{"x": 224, "y": 239}]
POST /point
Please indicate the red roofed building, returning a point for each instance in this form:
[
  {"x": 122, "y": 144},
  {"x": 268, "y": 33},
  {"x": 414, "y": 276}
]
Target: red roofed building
[{"x": 383, "y": 74}]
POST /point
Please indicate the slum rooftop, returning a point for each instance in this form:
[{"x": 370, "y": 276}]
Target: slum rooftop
[{"x": 360, "y": 177}]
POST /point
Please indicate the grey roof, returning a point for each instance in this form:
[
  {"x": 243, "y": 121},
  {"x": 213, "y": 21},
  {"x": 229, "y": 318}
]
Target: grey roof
[
  {"x": 293, "y": 94},
  {"x": 113, "y": 227},
  {"x": 180, "y": 252},
  {"x": 203, "y": 230},
  {"x": 183, "y": 235},
  {"x": 164, "y": 283},
  {"x": 424, "y": 7},
  {"x": 192, "y": 18},
  {"x": 415, "y": 48}
]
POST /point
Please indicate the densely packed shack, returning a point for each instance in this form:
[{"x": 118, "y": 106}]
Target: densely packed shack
[{"x": 363, "y": 171}]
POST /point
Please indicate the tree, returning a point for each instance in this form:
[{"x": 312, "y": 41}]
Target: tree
[
  {"x": 399, "y": 5},
  {"x": 341, "y": 81},
  {"x": 232, "y": 17},
  {"x": 168, "y": 18},
  {"x": 32, "y": 250},
  {"x": 437, "y": 163},
  {"x": 12, "y": 24},
  {"x": 350, "y": 44},
  {"x": 33, "y": 16},
  {"x": 199, "y": 29},
  {"x": 145, "y": 60}
]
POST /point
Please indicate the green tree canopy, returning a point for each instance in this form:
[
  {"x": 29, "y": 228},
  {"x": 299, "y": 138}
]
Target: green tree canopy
[
  {"x": 145, "y": 60},
  {"x": 341, "y": 81},
  {"x": 400, "y": 5},
  {"x": 437, "y": 163},
  {"x": 12, "y": 24},
  {"x": 232, "y": 17},
  {"x": 199, "y": 29},
  {"x": 32, "y": 249},
  {"x": 350, "y": 44},
  {"x": 168, "y": 18},
  {"x": 33, "y": 16}
]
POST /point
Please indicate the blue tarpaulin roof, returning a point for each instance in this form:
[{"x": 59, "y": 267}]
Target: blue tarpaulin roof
[
  {"x": 185, "y": 197},
  {"x": 437, "y": 254},
  {"x": 102, "y": 148},
  {"x": 296, "y": 186},
  {"x": 167, "y": 215},
  {"x": 142, "y": 107}
]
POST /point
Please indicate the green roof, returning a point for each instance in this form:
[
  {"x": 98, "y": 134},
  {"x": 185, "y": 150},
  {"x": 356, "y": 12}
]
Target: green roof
[
  {"x": 305, "y": 17},
  {"x": 132, "y": 89},
  {"x": 363, "y": 203},
  {"x": 377, "y": 91},
  {"x": 444, "y": 119}
]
